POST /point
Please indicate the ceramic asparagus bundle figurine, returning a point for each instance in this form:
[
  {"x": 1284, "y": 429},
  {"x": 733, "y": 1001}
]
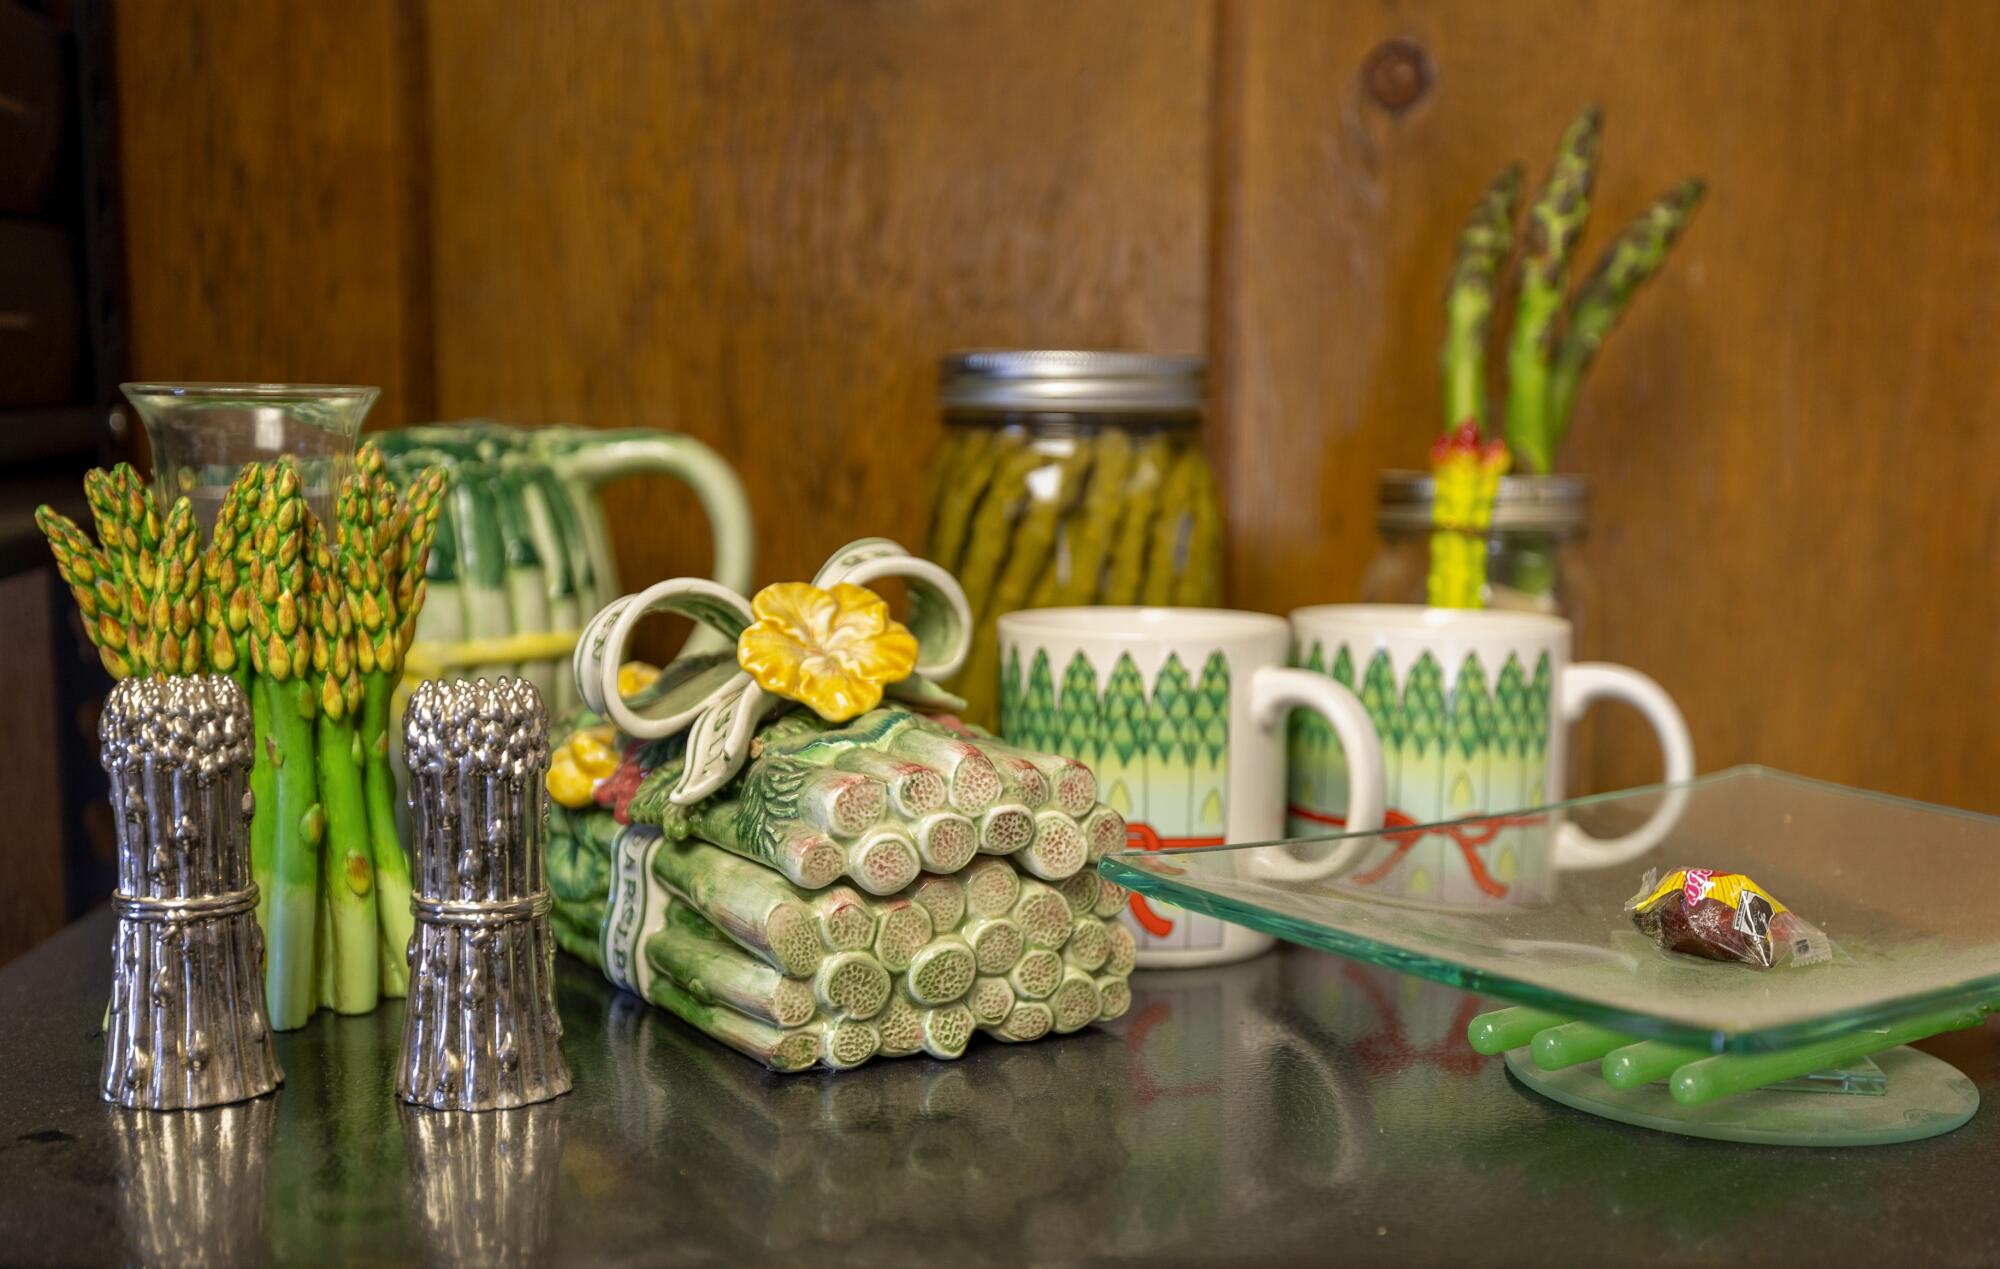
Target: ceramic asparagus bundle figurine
[
  {"x": 873, "y": 881},
  {"x": 312, "y": 621}
]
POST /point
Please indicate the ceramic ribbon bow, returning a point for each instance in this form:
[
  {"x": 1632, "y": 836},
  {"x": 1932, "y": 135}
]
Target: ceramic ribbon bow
[{"x": 716, "y": 702}]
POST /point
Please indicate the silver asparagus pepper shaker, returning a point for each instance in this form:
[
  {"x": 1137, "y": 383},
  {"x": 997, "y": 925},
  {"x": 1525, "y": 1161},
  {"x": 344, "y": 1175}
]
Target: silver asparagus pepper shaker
[
  {"x": 187, "y": 1026},
  {"x": 480, "y": 1031}
]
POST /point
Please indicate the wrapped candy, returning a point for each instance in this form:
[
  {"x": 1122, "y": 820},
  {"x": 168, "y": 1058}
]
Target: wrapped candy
[{"x": 1724, "y": 916}]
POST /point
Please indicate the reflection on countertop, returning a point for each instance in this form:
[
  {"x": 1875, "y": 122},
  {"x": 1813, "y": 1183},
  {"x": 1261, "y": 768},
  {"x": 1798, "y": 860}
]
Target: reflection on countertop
[{"x": 1279, "y": 1108}]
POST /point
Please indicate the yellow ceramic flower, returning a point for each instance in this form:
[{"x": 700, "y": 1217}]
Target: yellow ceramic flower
[
  {"x": 575, "y": 768},
  {"x": 635, "y": 677},
  {"x": 833, "y": 650}
]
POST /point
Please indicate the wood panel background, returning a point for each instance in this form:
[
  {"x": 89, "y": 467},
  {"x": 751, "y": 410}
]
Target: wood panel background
[{"x": 760, "y": 222}]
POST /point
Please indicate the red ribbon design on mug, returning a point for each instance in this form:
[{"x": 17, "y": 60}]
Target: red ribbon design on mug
[
  {"x": 1140, "y": 835},
  {"x": 1469, "y": 835}
]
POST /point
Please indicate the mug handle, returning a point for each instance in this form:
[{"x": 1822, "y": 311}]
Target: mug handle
[
  {"x": 1275, "y": 692},
  {"x": 1587, "y": 682}
]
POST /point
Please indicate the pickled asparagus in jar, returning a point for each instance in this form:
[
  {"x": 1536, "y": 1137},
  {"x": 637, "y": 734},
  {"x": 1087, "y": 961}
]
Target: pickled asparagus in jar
[{"x": 1071, "y": 478}]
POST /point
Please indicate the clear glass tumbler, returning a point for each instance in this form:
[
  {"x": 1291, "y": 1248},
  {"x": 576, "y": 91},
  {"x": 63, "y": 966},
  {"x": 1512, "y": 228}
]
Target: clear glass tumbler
[{"x": 203, "y": 433}]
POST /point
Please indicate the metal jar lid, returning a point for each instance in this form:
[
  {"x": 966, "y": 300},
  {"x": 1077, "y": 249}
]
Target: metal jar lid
[
  {"x": 1070, "y": 382},
  {"x": 1554, "y": 504}
]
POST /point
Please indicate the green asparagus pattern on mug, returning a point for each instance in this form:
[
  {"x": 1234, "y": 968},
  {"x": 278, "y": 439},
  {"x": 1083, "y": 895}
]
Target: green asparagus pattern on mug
[
  {"x": 1445, "y": 753},
  {"x": 1161, "y": 757}
]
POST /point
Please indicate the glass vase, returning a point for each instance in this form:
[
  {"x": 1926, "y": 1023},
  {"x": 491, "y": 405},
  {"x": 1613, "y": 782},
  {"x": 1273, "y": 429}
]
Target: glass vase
[{"x": 202, "y": 434}]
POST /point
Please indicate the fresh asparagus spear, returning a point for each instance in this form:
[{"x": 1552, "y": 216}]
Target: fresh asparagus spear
[
  {"x": 402, "y": 532},
  {"x": 128, "y": 527},
  {"x": 174, "y": 629},
  {"x": 1601, "y": 300},
  {"x": 230, "y": 574},
  {"x": 1554, "y": 224},
  {"x": 1468, "y": 300},
  {"x": 93, "y": 581},
  {"x": 283, "y": 705},
  {"x": 226, "y": 569},
  {"x": 351, "y": 979}
]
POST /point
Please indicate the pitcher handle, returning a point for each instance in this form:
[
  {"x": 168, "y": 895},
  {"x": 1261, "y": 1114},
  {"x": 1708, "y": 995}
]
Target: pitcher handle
[{"x": 715, "y": 485}]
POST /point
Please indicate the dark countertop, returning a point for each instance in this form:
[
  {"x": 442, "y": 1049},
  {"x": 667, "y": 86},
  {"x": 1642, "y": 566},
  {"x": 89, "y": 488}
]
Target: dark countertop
[{"x": 1294, "y": 1108}]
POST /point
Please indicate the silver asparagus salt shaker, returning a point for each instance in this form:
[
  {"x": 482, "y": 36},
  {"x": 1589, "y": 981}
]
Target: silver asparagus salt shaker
[
  {"x": 188, "y": 1026},
  {"x": 480, "y": 1031}
]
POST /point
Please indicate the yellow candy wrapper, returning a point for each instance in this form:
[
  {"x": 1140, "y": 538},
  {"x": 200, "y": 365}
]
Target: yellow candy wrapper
[{"x": 1724, "y": 916}]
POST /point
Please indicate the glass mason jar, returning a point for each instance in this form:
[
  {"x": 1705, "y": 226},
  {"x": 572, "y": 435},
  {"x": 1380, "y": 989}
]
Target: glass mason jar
[
  {"x": 1534, "y": 555},
  {"x": 1071, "y": 478},
  {"x": 1534, "y": 563}
]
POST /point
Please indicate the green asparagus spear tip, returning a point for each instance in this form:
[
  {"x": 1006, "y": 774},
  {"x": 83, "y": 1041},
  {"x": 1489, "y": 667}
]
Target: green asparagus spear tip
[
  {"x": 1468, "y": 302},
  {"x": 281, "y": 648},
  {"x": 90, "y": 576},
  {"x": 281, "y": 623},
  {"x": 350, "y": 949},
  {"x": 128, "y": 527},
  {"x": 174, "y": 628},
  {"x": 424, "y": 498},
  {"x": 333, "y": 655},
  {"x": 360, "y": 552},
  {"x": 1554, "y": 224},
  {"x": 1624, "y": 267},
  {"x": 227, "y": 567}
]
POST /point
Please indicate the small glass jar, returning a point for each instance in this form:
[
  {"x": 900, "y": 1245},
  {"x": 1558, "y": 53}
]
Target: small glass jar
[
  {"x": 1071, "y": 478},
  {"x": 1534, "y": 555},
  {"x": 1534, "y": 563}
]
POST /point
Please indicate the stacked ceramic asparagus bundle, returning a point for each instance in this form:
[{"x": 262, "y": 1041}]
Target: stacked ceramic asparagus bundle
[
  {"x": 884, "y": 887},
  {"x": 313, "y": 622}
]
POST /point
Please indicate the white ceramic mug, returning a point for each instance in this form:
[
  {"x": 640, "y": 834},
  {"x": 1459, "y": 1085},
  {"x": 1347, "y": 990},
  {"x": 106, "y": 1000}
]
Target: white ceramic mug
[
  {"x": 1472, "y": 710},
  {"x": 1181, "y": 713}
]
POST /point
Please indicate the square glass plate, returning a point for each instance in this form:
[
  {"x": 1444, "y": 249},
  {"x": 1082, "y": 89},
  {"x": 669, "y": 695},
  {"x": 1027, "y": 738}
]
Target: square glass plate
[{"x": 1527, "y": 907}]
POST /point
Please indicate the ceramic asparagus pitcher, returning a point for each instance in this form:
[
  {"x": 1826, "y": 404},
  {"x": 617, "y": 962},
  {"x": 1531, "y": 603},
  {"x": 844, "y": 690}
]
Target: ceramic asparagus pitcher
[
  {"x": 1472, "y": 711},
  {"x": 523, "y": 555},
  {"x": 1181, "y": 713}
]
